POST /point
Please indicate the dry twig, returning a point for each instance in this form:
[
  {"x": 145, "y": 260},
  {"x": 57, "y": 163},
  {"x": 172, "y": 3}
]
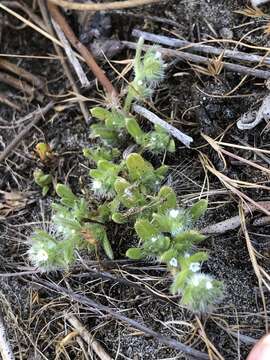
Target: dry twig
[
  {"x": 17, "y": 84},
  {"x": 254, "y": 262},
  {"x": 71, "y": 56},
  {"x": 101, "y": 7},
  {"x": 200, "y": 47},
  {"x": 233, "y": 222},
  {"x": 97, "y": 307},
  {"x": 179, "y": 135},
  {"x": 87, "y": 337},
  {"x": 37, "y": 114},
  {"x": 5, "y": 100},
  {"x": 197, "y": 59},
  {"x": 251, "y": 119},
  {"x": 24, "y": 74},
  {"x": 5, "y": 348},
  {"x": 89, "y": 59},
  {"x": 60, "y": 54}
]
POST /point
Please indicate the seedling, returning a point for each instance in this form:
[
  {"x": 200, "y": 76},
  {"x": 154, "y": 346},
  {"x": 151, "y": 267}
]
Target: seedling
[
  {"x": 114, "y": 124},
  {"x": 43, "y": 180},
  {"x": 44, "y": 151},
  {"x": 72, "y": 228},
  {"x": 130, "y": 189},
  {"x": 169, "y": 238}
]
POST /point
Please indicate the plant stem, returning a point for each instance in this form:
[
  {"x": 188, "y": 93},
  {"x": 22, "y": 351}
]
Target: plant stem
[
  {"x": 129, "y": 99},
  {"x": 137, "y": 60}
]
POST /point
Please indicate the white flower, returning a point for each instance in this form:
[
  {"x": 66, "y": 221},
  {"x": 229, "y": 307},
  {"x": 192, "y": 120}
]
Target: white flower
[
  {"x": 174, "y": 262},
  {"x": 195, "y": 280},
  {"x": 128, "y": 193},
  {"x": 140, "y": 82},
  {"x": 60, "y": 228},
  {"x": 194, "y": 267},
  {"x": 173, "y": 213},
  {"x": 96, "y": 185},
  {"x": 154, "y": 239},
  {"x": 199, "y": 278},
  {"x": 186, "y": 255},
  {"x": 41, "y": 256}
]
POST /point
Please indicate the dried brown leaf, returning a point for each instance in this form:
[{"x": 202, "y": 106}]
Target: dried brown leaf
[{"x": 250, "y": 11}]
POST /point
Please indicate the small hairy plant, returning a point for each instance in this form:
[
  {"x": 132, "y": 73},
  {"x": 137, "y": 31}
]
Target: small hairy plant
[
  {"x": 104, "y": 177},
  {"x": 43, "y": 180},
  {"x": 72, "y": 229},
  {"x": 169, "y": 238},
  {"x": 115, "y": 124},
  {"x": 129, "y": 189}
]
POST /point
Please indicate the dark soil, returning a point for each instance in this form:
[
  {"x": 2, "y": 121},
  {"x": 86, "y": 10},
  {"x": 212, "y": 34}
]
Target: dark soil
[{"x": 35, "y": 317}]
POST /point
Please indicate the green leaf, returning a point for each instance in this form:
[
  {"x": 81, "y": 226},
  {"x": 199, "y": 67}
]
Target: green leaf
[
  {"x": 100, "y": 234},
  {"x": 100, "y": 113},
  {"x": 66, "y": 195},
  {"x": 167, "y": 198},
  {"x": 163, "y": 222},
  {"x": 108, "y": 136},
  {"x": 42, "y": 179},
  {"x": 137, "y": 166},
  {"x": 198, "y": 209},
  {"x": 145, "y": 229},
  {"x": 116, "y": 120},
  {"x": 45, "y": 190},
  {"x": 180, "y": 281},
  {"x": 191, "y": 236},
  {"x": 199, "y": 256},
  {"x": 101, "y": 153},
  {"x": 118, "y": 218},
  {"x": 162, "y": 244},
  {"x": 153, "y": 66},
  {"x": 171, "y": 146},
  {"x": 168, "y": 255},
  {"x": 135, "y": 253},
  {"x": 162, "y": 170},
  {"x": 121, "y": 185},
  {"x": 134, "y": 129}
]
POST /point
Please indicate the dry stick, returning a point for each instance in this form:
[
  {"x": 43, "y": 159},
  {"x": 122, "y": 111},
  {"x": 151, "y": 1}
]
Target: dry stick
[
  {"x": 35, "y": 80},
  {"x": 261, "y": 74},
  {"x": 5, "y": 100},
  {"x": 60, "y": 54},
  {"x": 87, "y": 337},
  {"x": 37, "y": 114},
  {"x": 234, "y": 222},
  {"x": 254, "y": 262},
  {"x": 97, "y": 307},
  {"x": 261, "y": 221},
  {"x": 26, "y": 9},
  {"x": 122, "y": 280},
  {"x": 5, "y": 348},
  {"x": 106, "y": 6},
  {"x": 89, "y": 59},
  {"x": 185, "y": 139},
  {"x": 16, "y": 83},
  {"x": 189, "y": 46},
  {"x": 153, "y": 18},
  {"x": 71, "y": 56}
]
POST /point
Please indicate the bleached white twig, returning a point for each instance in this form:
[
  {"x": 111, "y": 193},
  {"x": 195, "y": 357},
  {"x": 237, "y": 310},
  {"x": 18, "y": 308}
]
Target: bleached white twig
[
  {"x": 5, "y": 348},
  {"x": 71, "y": 56},
  {"x": 88, "y": 338},
  {"x": 179, "y": 135},
  {"x": 251, "y": 119},
  {"x": 255, "y": 3}
]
